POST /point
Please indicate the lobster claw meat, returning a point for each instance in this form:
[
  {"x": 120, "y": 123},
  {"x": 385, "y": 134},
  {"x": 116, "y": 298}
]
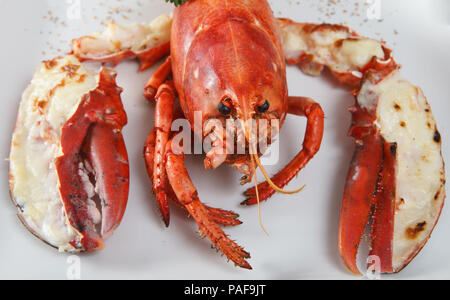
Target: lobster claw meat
[
  {"x": 69, "y": 173},
  {"x": 396, "y": 180},
  {"x": 147, "y": 42}
]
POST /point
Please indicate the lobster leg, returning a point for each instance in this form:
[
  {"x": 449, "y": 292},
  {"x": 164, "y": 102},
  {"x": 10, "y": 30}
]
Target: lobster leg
[
  {"x": 221, "y": 217},
  {"x": 299, "y": 106},
  {"x": 158, "y": 79},
  {"x": 154, "y": 159},
  {"x": 164, "y": 115},
  {"x": 188, "y": 196}
]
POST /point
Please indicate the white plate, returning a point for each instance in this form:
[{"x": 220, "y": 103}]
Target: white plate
[{"x": 303, "y": 228}]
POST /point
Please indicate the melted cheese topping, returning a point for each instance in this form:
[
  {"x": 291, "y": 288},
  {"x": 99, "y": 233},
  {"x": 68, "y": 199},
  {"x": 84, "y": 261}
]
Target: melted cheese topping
[
  {"x": 356, "y": 53},
  {"x": 336, "y": 48},
  {"x": 134, "y": 37},
  {"x": 49, "y": 101},
  {"x": 404, "y": 117}
]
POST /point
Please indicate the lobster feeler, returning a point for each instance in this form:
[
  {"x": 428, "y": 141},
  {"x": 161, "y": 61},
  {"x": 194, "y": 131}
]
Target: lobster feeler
[
  {"x": 257, "y": 195},
  {"x": 255, "y": 157}
]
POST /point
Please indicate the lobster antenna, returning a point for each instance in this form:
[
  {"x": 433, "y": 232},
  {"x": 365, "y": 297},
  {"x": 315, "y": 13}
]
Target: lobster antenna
[
  {"x": 257, "y": 195},
  {"x": 271, "y": 183}
]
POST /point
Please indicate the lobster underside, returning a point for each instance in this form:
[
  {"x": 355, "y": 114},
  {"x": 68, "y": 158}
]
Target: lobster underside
[{"x": 68, "y": 164}]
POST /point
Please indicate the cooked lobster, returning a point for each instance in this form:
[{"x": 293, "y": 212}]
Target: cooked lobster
[
  {"x": 231, "y": 54},
  {"x": 228, "y": 62}
]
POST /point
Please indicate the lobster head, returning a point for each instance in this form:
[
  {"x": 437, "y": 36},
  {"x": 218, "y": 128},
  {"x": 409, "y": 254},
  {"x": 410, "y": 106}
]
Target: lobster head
[{"x": 233, "y": 70}]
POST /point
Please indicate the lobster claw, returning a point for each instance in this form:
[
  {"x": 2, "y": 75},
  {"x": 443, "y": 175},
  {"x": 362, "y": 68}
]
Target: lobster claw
[
  {"x": 368, "y": 192},
  {"x": 92, "y": 138},
  {"x": 107, "y": 153},
  {"x": 87, "y": 159},
  {"x": 395, "y": 187}
]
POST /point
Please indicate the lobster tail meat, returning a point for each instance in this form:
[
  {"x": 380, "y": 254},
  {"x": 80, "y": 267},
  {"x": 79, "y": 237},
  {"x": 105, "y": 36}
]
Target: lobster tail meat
[
  {"x": 147, "y": 42},
  {"x": 396, "y": 180},
  {"x": 68, "y": 164}
]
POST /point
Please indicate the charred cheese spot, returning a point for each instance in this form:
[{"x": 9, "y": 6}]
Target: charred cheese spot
[
  {"x": 394, "y": 149},
  {"x": 400, "y": 203},
  {"x": 51, "y": 93},
  {"x": 50, "y": 64},
  {"x": 436, "y": 197},
  {"x": 118, "y": 45},
  {"x": 413, "y": 232},
  {"x": 425, "y": 159},
  {"x": 397, "y": 107},
  {"x": 81, "y": 78},
  {"x": 39, "y": 105},
  {"x": 70, "y": 69},
  {"x": 437, "y": 137}
]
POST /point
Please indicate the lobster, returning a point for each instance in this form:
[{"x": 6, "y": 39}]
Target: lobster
[
  {"x": 214, "y": 55},
  {"x": 227, "y": 58},
  {"x": 228, "y": 62}
]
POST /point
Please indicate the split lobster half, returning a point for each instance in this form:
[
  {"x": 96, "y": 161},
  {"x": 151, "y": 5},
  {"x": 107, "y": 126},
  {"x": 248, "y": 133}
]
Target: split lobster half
[
  {"x": 228, "y": 62},
  {"x": 68, "y": 164}
]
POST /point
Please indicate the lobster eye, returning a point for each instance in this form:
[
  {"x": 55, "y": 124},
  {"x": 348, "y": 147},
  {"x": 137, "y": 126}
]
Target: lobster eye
[
  {"x": 224, "y": 110},
  {"x": 265, "y": 107}
]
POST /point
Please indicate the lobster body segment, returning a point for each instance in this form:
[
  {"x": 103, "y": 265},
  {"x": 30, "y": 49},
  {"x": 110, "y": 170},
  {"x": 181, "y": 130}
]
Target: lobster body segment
[{"x": 68, "y": 164}]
